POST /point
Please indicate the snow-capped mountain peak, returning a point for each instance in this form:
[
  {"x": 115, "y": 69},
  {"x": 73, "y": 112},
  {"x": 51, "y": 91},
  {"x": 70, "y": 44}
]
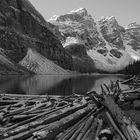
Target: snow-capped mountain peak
[
  {"x": 54, "y": 18},
  {"x": 81, "y": 11},
  {"x": 109, "y": 45},
  {"x": 106, "y": 18},
  {"x": 133, "y": 25},
  {"x": 74, "y": 15}
]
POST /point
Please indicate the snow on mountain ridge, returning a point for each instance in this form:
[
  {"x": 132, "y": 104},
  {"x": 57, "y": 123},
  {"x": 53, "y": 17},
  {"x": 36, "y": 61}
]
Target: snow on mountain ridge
[
  {"x": 133, "y": 25},
  {"x": 80, "y": 10},
  {"x": 106, "y": 18},
  {"x": 54, "y": 18},
  {"x": 105, "y": 40}
]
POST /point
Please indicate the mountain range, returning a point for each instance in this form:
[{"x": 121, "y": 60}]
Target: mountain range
[
  {"x": 110, "y": 46},
  {"x": 65, "y": 44}
]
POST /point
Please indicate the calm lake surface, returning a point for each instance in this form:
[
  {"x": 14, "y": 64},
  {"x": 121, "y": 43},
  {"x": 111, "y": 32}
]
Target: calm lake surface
[
  {"x": 62, "y": 85},
  {"x": 54, "y": 85}
]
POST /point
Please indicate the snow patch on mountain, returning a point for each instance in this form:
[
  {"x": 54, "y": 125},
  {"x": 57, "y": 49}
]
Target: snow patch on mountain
[
  {"x": 133, "y": 25},
  {"x": 71, "y": 40},
  {"x": 80, "y": 10},
  {"x": 135, "y": 55},
  {"x": 54, "y": 17},
  {"x": 109, "y": 63}
]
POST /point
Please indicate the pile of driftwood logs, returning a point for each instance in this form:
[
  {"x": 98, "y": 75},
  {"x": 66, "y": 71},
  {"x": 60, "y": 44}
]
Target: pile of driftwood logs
[{"x": 91, "y": 116}]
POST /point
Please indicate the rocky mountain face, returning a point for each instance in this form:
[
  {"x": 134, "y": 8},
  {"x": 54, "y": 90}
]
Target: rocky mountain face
[
  {"x": 22, "y": 28},
  {"x": 107, "y": 45},
  {"x": 7, "y": 66},
  {"x": 38, "y": 64},
  {"x": 70, "y": 42},
  {"x": 81, "y": 61}
]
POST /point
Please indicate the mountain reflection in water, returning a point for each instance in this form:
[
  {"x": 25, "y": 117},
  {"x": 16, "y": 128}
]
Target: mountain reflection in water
[{"x": 54, "y": 85}]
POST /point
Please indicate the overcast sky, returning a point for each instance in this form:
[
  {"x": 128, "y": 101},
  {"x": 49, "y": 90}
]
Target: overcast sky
[{"x": 125, "y": 11}]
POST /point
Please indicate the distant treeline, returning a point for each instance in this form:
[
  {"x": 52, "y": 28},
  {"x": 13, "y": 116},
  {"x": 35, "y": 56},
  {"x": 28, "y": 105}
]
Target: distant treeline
[{"x": 133, "y": 68}]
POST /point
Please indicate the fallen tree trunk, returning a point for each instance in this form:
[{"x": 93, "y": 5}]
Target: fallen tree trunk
[
  {"x": 128, "y": 128},
  {"x": 44, "y": 120},
  {"x": 123, "y": 124},
  {"x": 128, "y": 80},
  {"x": 68, "y": 134},
  {"x": 53, "y": 130}
]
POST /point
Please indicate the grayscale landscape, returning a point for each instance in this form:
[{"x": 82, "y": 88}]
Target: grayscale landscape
[{"x": 69, "y": 76}]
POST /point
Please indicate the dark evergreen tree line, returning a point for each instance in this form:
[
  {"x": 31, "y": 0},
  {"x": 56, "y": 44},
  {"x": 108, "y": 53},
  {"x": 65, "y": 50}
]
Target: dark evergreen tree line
[{"x": 133, "y": 68}]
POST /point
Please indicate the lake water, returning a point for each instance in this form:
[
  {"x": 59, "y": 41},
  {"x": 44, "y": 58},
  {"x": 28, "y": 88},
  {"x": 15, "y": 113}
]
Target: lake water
[
  {"x": 54, "y": 85},
  {"x": 61, "y": 85}
]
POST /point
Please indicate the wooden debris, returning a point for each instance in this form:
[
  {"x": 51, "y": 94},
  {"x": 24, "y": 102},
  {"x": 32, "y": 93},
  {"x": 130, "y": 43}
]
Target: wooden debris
[{"x": 74, "y": 117}]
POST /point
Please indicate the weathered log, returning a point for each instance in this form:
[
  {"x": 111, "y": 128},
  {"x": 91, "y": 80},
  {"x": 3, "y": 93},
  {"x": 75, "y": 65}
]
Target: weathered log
[
  {"x": 19, "y": 108},
  {"x": 128, "y": 80},
  {"x": 68, "y": 97},
  {"x": 85, "y": 128},
  {"x": 24, "y": 135},
  {"x": 51, "y": 132},
  {"x": 35, "y": 118},
  {"x": 66, "y": 135},
  {"x": 128, "y": 128},
  {"x": 18, "y": 96},
  {"x": 131, "y": 91},
  {"x": 38, "y": 107},
  {"x": 7, "y": 102},
  {"x": 19, "y": 118},
  {"x": 46, "y": 119},
  {"x": 99, "y": 127},
  {"x": 86, "y": 134},
  {"x": 131, "y": 98},
  {"x": 118, "y": 115},
  {"x": 91, "y": 133},
  {"x": 117, "y": 129},
  {"x": 76, "y": 132}
]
